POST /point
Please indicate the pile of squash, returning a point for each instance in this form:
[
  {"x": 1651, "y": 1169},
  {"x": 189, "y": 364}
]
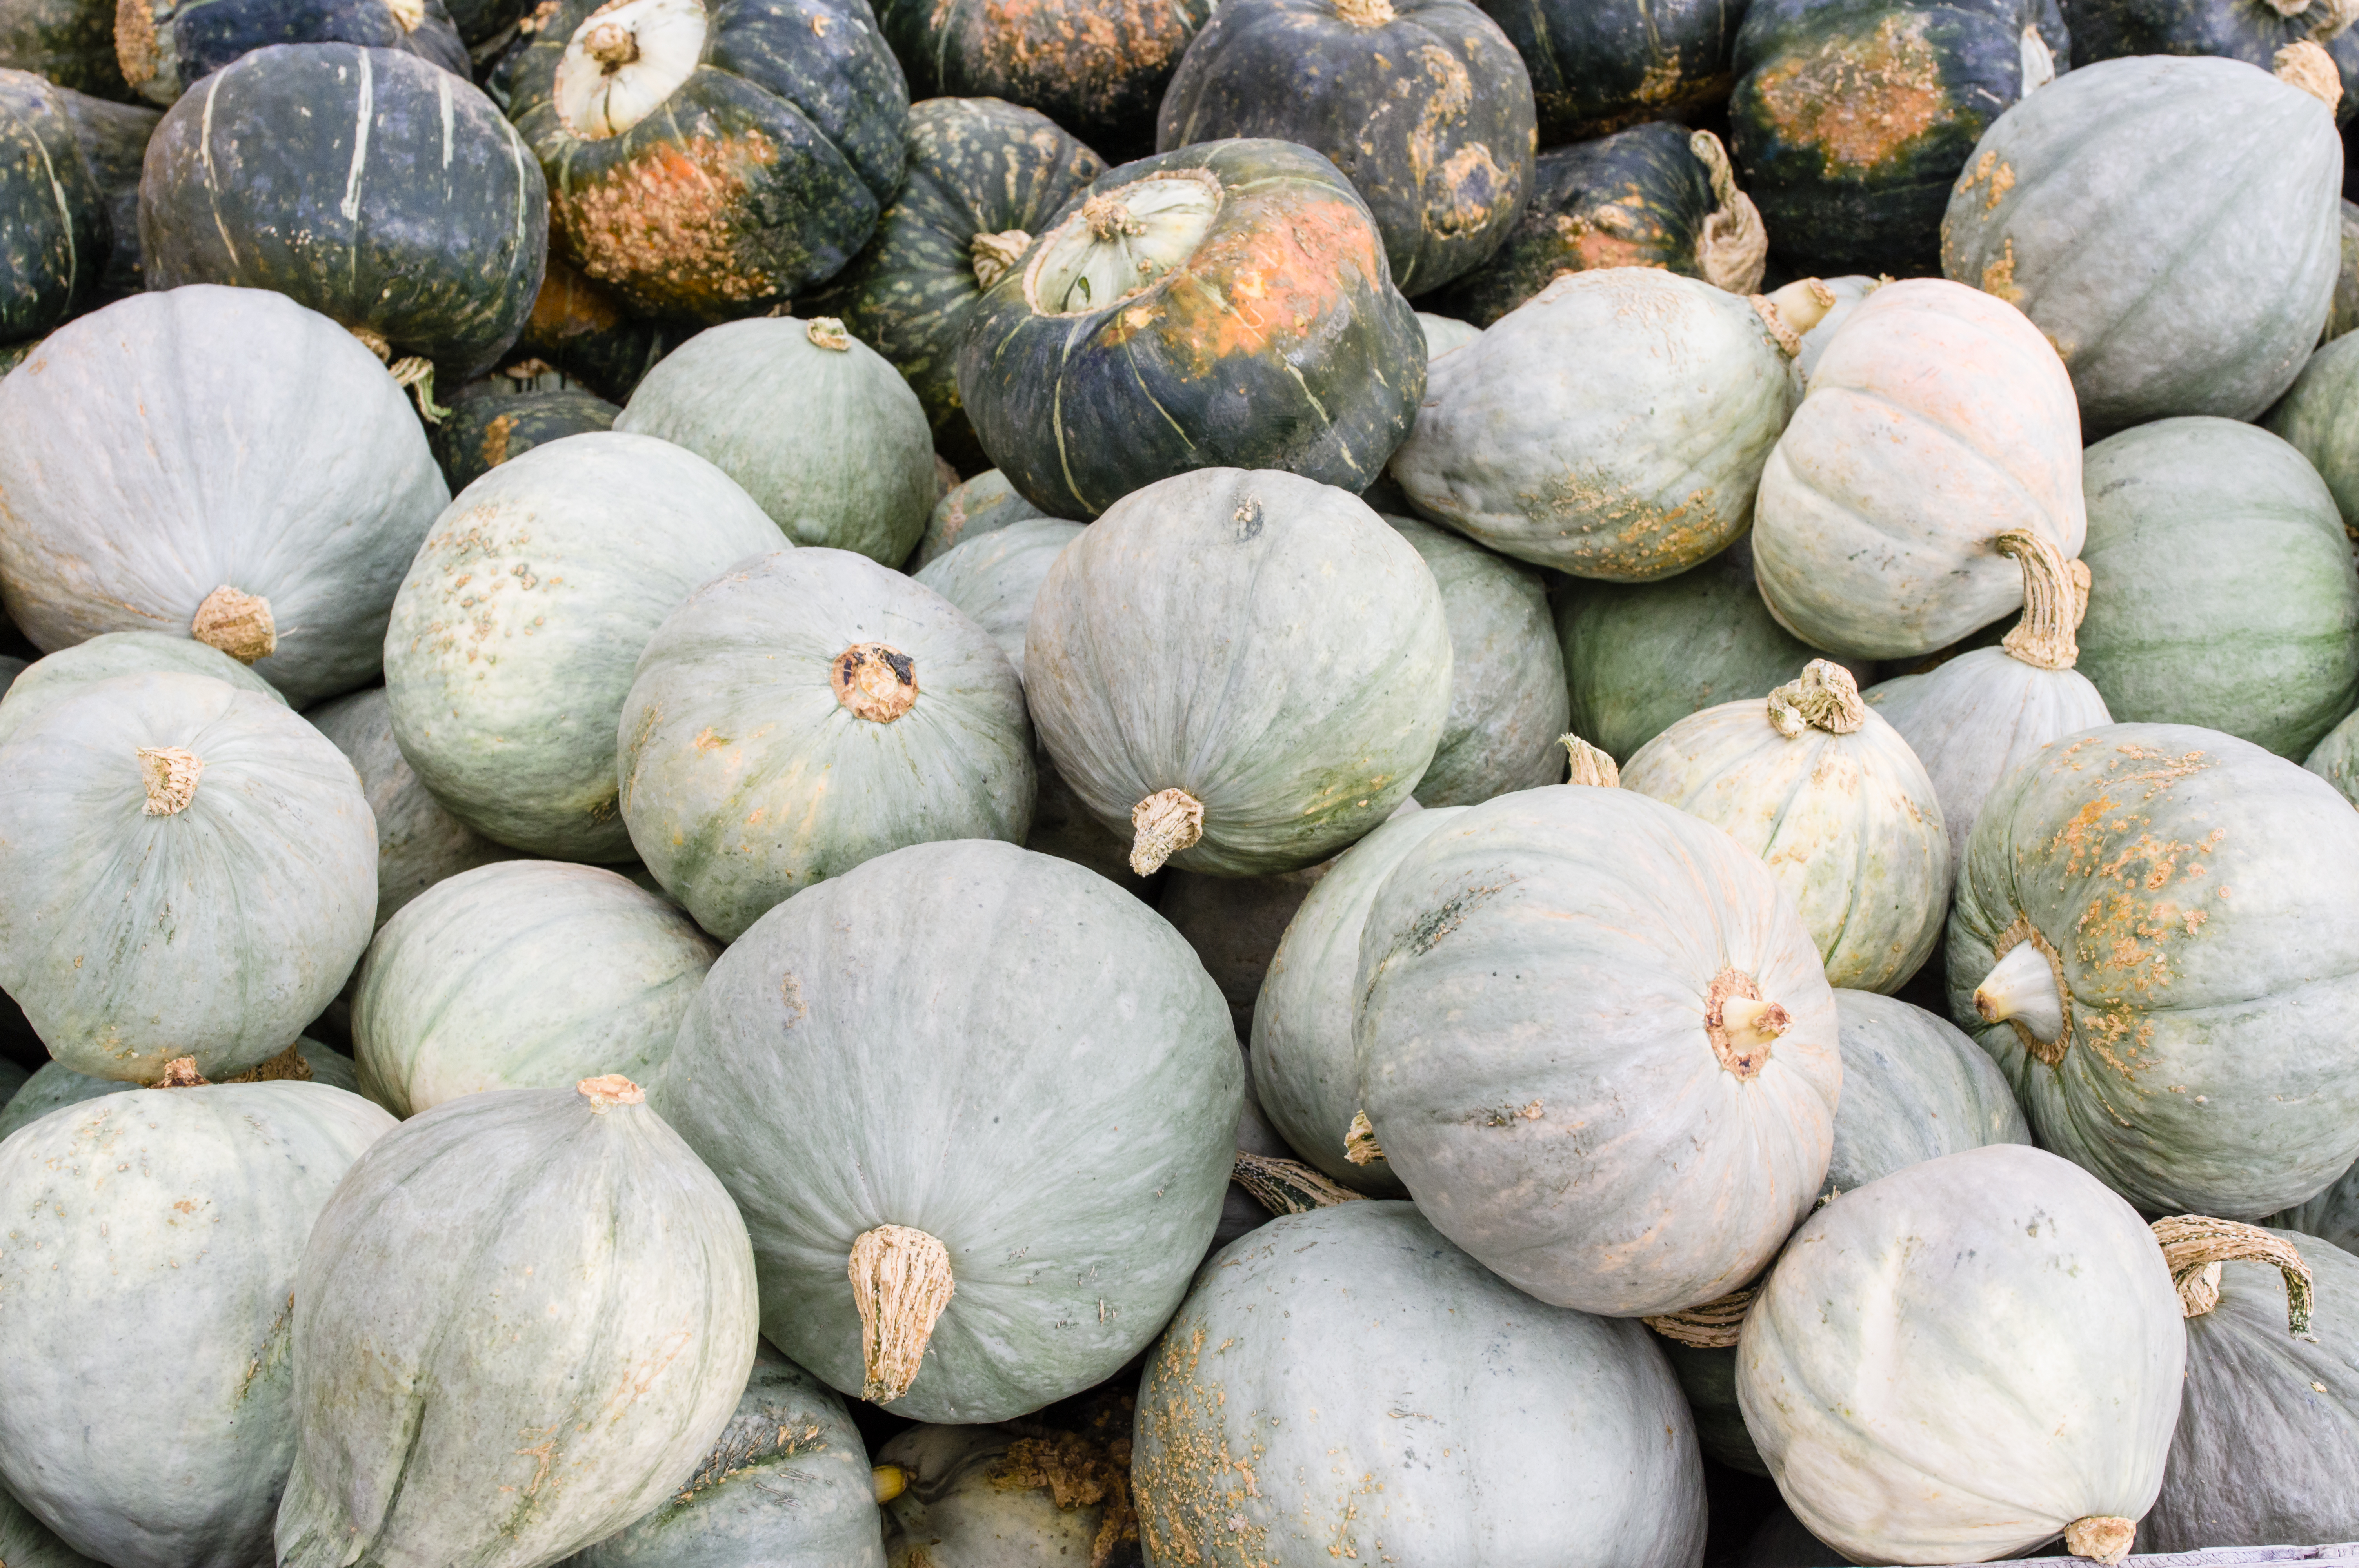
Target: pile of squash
[{"x": 831, "y": 784}]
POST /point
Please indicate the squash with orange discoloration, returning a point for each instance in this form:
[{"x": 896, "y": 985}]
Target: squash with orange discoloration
[
  {"x": 2109, "y": 29},
  {"x": 1599, "y": 65},
  {"x": 581, "y": 329},
  {"x": 483, "y": 431}
]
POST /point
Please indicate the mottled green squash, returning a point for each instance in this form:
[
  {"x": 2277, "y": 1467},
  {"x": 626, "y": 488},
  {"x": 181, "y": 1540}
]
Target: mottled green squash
[
  {"x": 995, "y": 576},
  {"x": 114, "y": 139},
  {"x": 978, "y": 506},
  {"x": 484, "y": 431},
  {"x": 2311, "y": 415},
  {"x": 44, "y": 682},
  {"x": 2335, "y": 759},
  {"x": 2108, "y": 30},
  {"x": 1599, "y": 65},
  {"x": 166, "y": 46},
  {"x": 1008, "y": 1497},
  {"x": 583, "y": 329},
  {"x": 71, "y": 42},
  {"x": 2221, "y": 591},
  {"x": 54, "y": 223},
  {"x": 54, "y": 1085}
]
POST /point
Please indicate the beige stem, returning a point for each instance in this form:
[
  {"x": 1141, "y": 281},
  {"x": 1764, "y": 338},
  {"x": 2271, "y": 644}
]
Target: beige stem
[
  {"x": 374, "y": 341},
  {"x": 612, "y": 44},
  {"x": 2308, "y": 66},
  {"x": 171, "y": 774},
  {"x": 1161, "y": 825},
  {"x": 407, "y": 14},
  {"x": 2053, "y": 603},
  {"x": 992, "y": 254},
  {"x": 1714, "y": 1325},
  {"x": 1824, "y": 696},
  {"x": 874, "y": 681},
  {"x": 287, "y": 1066},
  {"x": 1287, "y": 1186},
  {"x": 2078, "y": 570},
  {"x": 606, "y": 1093},
  {"x": 2021, "y": 988},
  {"x": 1364, "y": 12},
  {"x": 2102, "y": 1538},
  {"x": 1751, "y": 1022},
  {"x": 1588, "y": 765},
  {"x": 238, "y": 623},
  {"x": 2334, "y": 19},
  {"x": 1735, "y": 246},
  {"x": 1740, "y": 1024},
  {"x": 900, "y": 1281},
  {"x": 1360, "y": 1145},
  {"x": 2195, "y": 1245},
  {"x": 1793, "y": 310},
  {"x": 1108, "y": 218},
  {"x": 180, "y": 1073},
  {"x": 828, "y": 332}
]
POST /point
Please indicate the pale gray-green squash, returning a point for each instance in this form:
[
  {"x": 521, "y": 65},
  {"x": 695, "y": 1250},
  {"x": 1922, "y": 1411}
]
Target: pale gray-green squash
[
  {"x": 1241, "y": 671},
  {"x": 1966, "y": 1360},
  {"x": 1848, "y": 292},
  {"x": 818, "y": 426},
  {"x": 516, "y": 1399},
  {"x": 1063, "y": 827},
  {"x": 177, "y": 806},
  {"x": 515, "y": 634},
  {"x": 1033, "y": 1104},
  {"x": 2149, "y": 937},
  {"x": 973, "y": 508},
  {"x": 1347, "y": 1383},
  {"x": 177, "y": 444},
  {"x": 27, "y": 1542},
  {"x": 1828, "y": 794},
  {"x": 47, "y": 679},
  {"x": 55, "y": 1086},
  {"x": 995, "y": 576},
  {"x": 1443, "y": 333},
  {"x": 2313, "y": 416},
  {"x": 2331, "y": 1214},
  {"x": 529, "y": 974},
  {"x": 804, "y": 713},
  {"x": 786, "y": 1484},
  {"x": 1234, "y": 924},
  {"x": 987, "y": 1497},
  {"x": 2335, "y": 759},
  {"x": 172, "y": 1210}
]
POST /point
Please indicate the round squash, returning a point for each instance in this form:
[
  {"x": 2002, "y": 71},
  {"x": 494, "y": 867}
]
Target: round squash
[
  {"x": 71, "y": 42},
  {"x": 54, "y": 1085},
  {"x": 2225, "y": 177},
  {"x": 166, "y": 46},
  {"x": 265, "y": 489},
  {"x": 1009, "y": 1496},
  {"x": 2310, "y": 416},
  {"x": 1247, "y": 670},
  {"x": 1020, "y": 1210},
  {"x": 1937, "y": 420},
  {"x": 1596, "y": 1044},
  {"x": 2221, "y": 591},
  {"x": 514, "y": 1399},
  {"x": 177, "y": 806},
  {"x": 195, "y": 1218},
  {"x": 480, "y": 433},
  {"x": 2149, "y": 939},
  {"x": 1114, "y": 356},
  {"x": 48, "y": 681},
  {"x": 1966, "y": 1360},
  {"x": 585, "y": 331},
  {"x": 985, "y": 502},
  {"x": 378, "y": 189},
  {"x": 54, "y": 223},
  {"x": 995, "y": 576},
  {"x": 859, "y": 474},
  {"x": 984, "y": 175},
  {"x": 1831, "y": 796},
  {"x": 1613, "y": 427},
  {"x": 512, "y": 643},
  {"x": 709, "y": 162},
  {"x": 2109, "y": 29},
  {"x": 1597, "y": 68},
  {"x": 1228, "y": 1465},
  {"x": 417, "y": 842}
]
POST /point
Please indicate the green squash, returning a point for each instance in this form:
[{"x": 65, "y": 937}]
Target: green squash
[
  {"x": 984, "y": 175},
  {"x": 374, "y": 187},
  {"x": 1612, "y": 427},
  {"x": 1029, "y": 1115},
  {"x": 512, "y": 1400},
  {"x": 1596, "y": 1044},
  {"x": 48, "y": 681},
  {"x": 979, "y": 506},
  {"x": 1599, "y": 67},
  {"x": 2344, "y": 315},
  {"x": 267, "y": 485},
  {"x": 859, "y": 474},
  {"x": 1008, "y": 1497},
  {"x": 175, "y": 807},
  {"x": 2310, "y": 417},
  {"x": 1247, "y": 671},
  {"x": 584, "y": 330},
  {"x": 54, "y": 223},
  {"x": 512, "y": 640},
  {"x": 484, "y": 431},
  {"x": 1575, "y": 1418},
  {"x": 2221, "y": 591},
  {"x": 2331, "y": 1215},
  {"x": 1964, "y": 1360},
  {"x": 2228, "y": 177},
  {"x": 27, "y": 1542},
  {"x": 709, "y": 162},
  {"x": 2335, "y": 759},
  {"x": 2109, "y": 29},
  {"x": 54, "y": 1085},
  {"x": 1879, "y": 511},
  {"x": 113, "y": 141},
  {"x": 195, "y": 1215},
  {"x": 995, "y": 576},
  {"x": 531, "y": 974},
  {"x": 71, "y": 42},
  {"x": 1114, "y": 355},
  {"x": 166, "y": 46},
  {"x": 1234, "y": 924},
  {"x": 2148, "y": 937}
]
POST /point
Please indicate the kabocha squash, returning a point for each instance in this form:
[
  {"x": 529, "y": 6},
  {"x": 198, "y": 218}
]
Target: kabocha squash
[
  {"x": 165, "y": 46},
  {"x": 435, "y": 1426},
  {"x": 583, "y": 329},
  {"x": 985, "y": 502},
  {"x": 512, "y": 643},
  {"x": 984, "y": 177},
  {"x": 54, "y": 223},
  {"x": 2308, "y": 417},
  {"x": 1114, "y": 356},
  {"x": 1006, "y": 1496},
  {"x": 2221, "y": 591},
  {"x": 2109, "y": 29},
  {"x": 46, "y": 682},
  {"x": 113, "y": 141},
  {"x": 807, "y": 712},
  {"x": 1937, "y": 420},
  {"x": 1595, "y": 1043},
  {"x": 710, "y": 161},
  {"x": 1972, "y": 719},
  {"x": 2147, "y": 938},
  {"x": 184, "y": 1207},
  {"x": 480, "y": 433},
  {"x": 176, "y": 804},
  {"x": 378, "y": 189},
  {"x": 2226, "y": 178},
  {"x": 1613, "y": 427},
  {"x": 1228, "y": 1468},
  {"x": 264, "y": 485},
  {"x": 977, "y": 1177},
  {"x": 54, "y": 1085},
  {"x": 1852, "y": 118},
  {"x": 995, "y": 576},
  {"x": 71, "y": 42},
  {"x": 417, "y": 842},
  {"x": 858, "y": 473},
  {"x": 526, "y": 975},
  {"x": 1655, "y": 195},
  {"x": 1967, "y": 1358},
  {"x": 1247, "y": 671},
  {"x": 1597, "y": 68}
]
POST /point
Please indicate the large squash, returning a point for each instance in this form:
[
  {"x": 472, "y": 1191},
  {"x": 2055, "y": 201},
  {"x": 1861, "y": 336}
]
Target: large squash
[
  {"x": 1599, "y": 65},
  {"x": 265, "y": 488},
  {"x": 46, "y": 682},
  {"x": 995, "y": 576},
  {"x": 1247, "y": 671},
  {"x": 54, "y": 223},
  {"x": 1114, "y": 354},
  {"x": 2310, "y": 417},
  {"x": 979, "y": 1176},
  {"x": 2149, "y": 936},
  {"x": 165, "y": 46}
]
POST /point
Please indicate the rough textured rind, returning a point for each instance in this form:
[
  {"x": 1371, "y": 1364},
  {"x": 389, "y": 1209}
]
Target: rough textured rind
[
  {"x": 54, "y": 223},
  {"x": 166, "y": 46},
  {"x": 2310, "y": 416},
  {"x": 1599, "y": 67},
  {"x": 482, "y": 432},
  {"x": 2109, "y": 29},
  {"x": 584, "y": 330},
  {"x": 994, "y": 577},
  {"x": 1011, "y": 1497}
]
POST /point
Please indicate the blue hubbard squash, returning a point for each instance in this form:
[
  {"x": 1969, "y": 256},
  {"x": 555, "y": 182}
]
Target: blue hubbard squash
[
  {"x": 165, "y": 46},
  {"x": 1599, "y": 67}
]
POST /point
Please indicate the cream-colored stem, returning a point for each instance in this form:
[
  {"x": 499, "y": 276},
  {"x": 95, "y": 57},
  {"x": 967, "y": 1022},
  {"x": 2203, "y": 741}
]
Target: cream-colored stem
[
  {"x": 1161, "y": 825},
  {"x": 2053, "y": 602},
  {"x": 2021, "y": 988},
  {"x": 171, "y": 774},
  {"x": 2100, "y": 1538},
  {"x": 1825, "y": 696},
  {"x": 2194, "y": 1246},
  {"x": 1734, "y": 246},
  {"x": 1750, "y": 1022},
  {"x": 1360, "y": 1145},
  {"x": 1588, "y": 764},
  {"x": 900, "y": 1283},
  {"x": 2308, "y": 66}
]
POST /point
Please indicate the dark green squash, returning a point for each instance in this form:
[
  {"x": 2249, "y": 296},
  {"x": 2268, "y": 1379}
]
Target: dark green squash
[
  {"x": 579, "y": 329},
  {"x": 2249, "y": 30},
  {"x": 114, "y": 140},
  {"x": 166, "y": 46},
  {"x": 1117, "y": 354},
  {"x": 54, "y": 224},
  {"x": 2345, "y": 314},
  {"x": 1852, "y": 117},
  {"x": 983, "y": 176},
  {"x": 377, "y": 190},
  {"x": 483, "y": 431},
  {"x": 1599, "y": 65},
  {"x": 71, "y": 42},
  {"x": 710, "y": 163},
  {"x": 484, "y": 24},
  {"x": 1423, "y": 105}
]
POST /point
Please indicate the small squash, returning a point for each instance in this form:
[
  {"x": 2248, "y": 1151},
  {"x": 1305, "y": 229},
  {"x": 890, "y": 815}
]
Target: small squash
[
  {"x": 54, "y": 223},
  {"x": 2310, "y": 416},
  {"x": 2109, "y": 29},
  {"x": 46, "y": 682},
  {"x": 1008, "y": 1497},
  {"x": 995, "y": 576},
  {"x": 981, "y": 505},
  {"x": 480, "y": 433},
  {"x": 1599, "y": 67},
  {"x": 165, "y": 46},
  {"x": 53, "y": 1085}
]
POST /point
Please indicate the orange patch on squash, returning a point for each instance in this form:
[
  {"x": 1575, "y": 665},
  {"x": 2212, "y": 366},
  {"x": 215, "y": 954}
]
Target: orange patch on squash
[
  {"x": 1860, "y": 101},
  {"x": 1095, "y": 51},
  {"x": 1265, "y": 283},
  {"x": 664, "y": 224}
]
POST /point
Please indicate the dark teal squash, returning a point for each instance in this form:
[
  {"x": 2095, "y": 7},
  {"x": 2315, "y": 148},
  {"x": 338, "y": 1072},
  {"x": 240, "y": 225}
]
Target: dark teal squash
[
  {"x": 484, "y": 431},
  {"x": 486, "y": 26},
  {"x": 165, "y": 46},
  {"x": 711, "y": 162},
  {"x": 113, "y": 141},
  {"x": 1423, "y": 105},
  {"x": 2345, "y": 314},
  {"x": 2249, "y": 30},
  {"x": 983, "y": 176},
  {"x": 579, "y": 329},
  {"x": 1116, "y": 353},
  {"x": 377, "y": 190},
  {"x": 71, "y": 42},
  {"x": 53, "y": 219},
  {"x": 1599, "y": 65}
]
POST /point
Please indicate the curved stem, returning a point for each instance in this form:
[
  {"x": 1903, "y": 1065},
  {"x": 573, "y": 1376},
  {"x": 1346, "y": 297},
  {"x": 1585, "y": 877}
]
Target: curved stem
[
  {"x": 1588, "y": 765},
  {"x": 2195, "y": 1245},
  {"x": 900, "y": 1281},
  {"x": 1714, "y": 1325},
  {"x": 1735, "y": 249},
  {"x": 2021, "y": 988},
  {"x": 2053, "y": 601}
]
